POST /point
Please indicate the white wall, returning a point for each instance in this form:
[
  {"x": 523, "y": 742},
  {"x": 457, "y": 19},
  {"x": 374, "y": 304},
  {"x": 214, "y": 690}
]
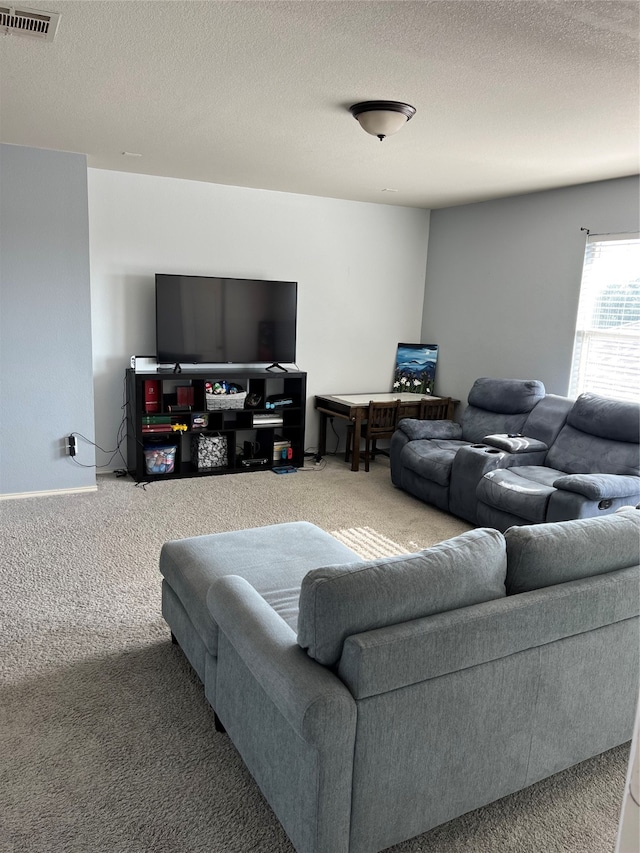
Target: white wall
[
  {"x": 360, "y": 270},
  {"x": 503, "y": 280}
]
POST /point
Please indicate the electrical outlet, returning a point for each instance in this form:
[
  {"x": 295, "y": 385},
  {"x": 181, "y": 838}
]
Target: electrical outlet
[{"x": 71, "y": 445}]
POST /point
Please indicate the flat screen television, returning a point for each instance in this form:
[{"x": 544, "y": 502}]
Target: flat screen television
[{"x": 205, "y": 319}]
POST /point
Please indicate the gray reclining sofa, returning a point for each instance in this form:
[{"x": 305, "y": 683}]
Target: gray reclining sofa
[
  {"x": 521, "y": 456},
  {"x": 374, "y": 700}
]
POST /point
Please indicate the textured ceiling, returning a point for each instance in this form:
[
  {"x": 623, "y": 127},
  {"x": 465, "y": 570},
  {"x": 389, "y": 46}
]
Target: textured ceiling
[{"x": 511, "y": 95}]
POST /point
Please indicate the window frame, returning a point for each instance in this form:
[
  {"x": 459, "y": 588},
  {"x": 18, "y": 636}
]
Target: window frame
[{"x": 602, "y": 350}]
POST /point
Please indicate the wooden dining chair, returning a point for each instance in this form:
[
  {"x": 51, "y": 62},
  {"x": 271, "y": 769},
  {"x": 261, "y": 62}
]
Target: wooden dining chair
[
  {"x": 407, "y": 409},
  {"x": 436, "y": 409},
  {"x": 381, "y": 423}
]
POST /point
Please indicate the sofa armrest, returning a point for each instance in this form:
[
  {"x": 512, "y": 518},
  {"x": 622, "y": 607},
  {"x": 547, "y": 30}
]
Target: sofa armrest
[
  {"x": 416, "y": 429},
  {"x": 599, "y": 487},
  {"x": 308, "y": 695},
  {"x": 516, "y": 443},
  {"x": 292, "y": 720}
]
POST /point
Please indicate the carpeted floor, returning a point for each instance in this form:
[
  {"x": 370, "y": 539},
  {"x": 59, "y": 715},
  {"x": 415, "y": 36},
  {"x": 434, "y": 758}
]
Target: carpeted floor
[{"x": 107, "y": 744}]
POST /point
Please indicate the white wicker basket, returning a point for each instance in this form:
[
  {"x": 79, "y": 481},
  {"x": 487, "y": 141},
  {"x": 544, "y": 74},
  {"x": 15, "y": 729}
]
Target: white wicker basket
[{"x": 216, "y": 402}]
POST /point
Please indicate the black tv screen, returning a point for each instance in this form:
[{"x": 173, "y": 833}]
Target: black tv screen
[{"x": 202, "y": 319}]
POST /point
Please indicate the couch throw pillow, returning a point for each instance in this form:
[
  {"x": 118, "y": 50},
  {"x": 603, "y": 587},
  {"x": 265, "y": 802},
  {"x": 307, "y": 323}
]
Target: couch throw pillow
[
  {"x": 540, "y": 555},
  {"x": 338, "y": 601}
]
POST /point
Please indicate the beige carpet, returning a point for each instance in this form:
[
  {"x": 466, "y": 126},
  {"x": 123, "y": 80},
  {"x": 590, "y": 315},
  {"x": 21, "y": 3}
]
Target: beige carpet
[{"x": 107, "y": 744}]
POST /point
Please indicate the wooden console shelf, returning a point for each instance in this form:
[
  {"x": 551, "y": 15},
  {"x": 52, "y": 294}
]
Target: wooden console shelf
[{"x": 168, "y": 410}]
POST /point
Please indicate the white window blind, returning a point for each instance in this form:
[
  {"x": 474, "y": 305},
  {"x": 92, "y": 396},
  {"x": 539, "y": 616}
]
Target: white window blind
[{"x": 606, "y": 353}]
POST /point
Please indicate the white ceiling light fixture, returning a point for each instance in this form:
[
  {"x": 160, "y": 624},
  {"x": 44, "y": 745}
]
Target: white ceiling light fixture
[{"x": 382, "y": 118}]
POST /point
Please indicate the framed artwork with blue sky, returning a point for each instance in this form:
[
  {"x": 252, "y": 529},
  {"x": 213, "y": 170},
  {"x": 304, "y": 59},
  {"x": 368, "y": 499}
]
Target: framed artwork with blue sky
[{"x": 415, "y": 368}]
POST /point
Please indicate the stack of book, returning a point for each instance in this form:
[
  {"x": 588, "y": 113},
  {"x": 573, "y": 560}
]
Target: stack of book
[
  {"x": 279, "y": 445},
  {"x": 156, "y": 423}
]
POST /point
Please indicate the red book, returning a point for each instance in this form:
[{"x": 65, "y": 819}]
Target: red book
[
  {"x": 184, "y": 395},
  {"x": 152, "y": 395}
]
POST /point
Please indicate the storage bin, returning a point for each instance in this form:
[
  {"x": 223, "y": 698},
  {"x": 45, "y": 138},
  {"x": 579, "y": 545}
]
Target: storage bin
[
  {"x": 224, "y": 395},
  {"x": 216, "y": 402},
  {"x": 209, "y": 451},
  {"x": 160, "y": 459}
]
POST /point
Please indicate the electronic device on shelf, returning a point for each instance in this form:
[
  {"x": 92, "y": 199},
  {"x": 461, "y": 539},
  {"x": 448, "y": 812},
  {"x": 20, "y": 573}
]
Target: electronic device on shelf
[
  {"x": 267, "y": 420},
  {"x": 212, "y": 320},
  {"x": 255, "y": 462},
  {"x": 278, "y": 402},
  {"x": 143, "y": 363}
]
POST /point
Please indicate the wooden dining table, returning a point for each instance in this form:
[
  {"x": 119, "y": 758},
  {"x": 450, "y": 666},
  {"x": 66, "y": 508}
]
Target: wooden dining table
[{"x": 353, "y": 407}]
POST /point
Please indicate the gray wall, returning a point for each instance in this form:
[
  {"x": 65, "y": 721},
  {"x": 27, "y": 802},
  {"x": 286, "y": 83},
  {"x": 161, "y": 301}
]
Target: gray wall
[
  {"x": 503, "y": 280},
  {"x": 45, "y": 321}
]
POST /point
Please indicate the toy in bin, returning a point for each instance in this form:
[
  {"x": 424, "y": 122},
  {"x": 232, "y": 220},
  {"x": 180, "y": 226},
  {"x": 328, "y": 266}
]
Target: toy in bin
[
  {"x": 160, "y": 459},
  {"x": 223, "y": 395},
  {"x": 222, "y": 387}
]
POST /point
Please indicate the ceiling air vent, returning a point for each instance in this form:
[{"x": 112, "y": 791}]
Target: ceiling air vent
[{"x": 28, "y": 22}]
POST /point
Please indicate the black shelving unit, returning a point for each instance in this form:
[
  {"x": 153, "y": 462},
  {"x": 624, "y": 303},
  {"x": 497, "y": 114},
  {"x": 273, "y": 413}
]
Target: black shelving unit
[{"x": 250, "y": 439}]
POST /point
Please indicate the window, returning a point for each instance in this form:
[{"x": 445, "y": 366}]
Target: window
[{"x": 606, "y": 353}]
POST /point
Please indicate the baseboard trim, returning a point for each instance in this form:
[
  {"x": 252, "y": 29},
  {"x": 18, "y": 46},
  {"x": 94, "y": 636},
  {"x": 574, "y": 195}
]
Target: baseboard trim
[{"x": 48, "y": 493}]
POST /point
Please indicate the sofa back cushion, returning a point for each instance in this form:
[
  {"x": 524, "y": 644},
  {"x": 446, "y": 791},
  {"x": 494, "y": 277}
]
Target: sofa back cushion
[
  {"x": 617, "y": 420},
  {"x": 499, "y": 406},
  {"x": 600, "y": 437},
  {"x": 541, "y": 555},
  {"x": 547, "y": 418},
  {"x": 338, "y": 601},
  {"x": 506, "y": 396}
]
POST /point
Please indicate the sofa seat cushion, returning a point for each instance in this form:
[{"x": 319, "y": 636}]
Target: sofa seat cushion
[
  {"x": 542, "y": 555},
  {"x": 339, "y": 601},
  {"x": 523, "y": 492},
  {"x": 431, "y": 458},
  {"x": 273, "y": 559}
]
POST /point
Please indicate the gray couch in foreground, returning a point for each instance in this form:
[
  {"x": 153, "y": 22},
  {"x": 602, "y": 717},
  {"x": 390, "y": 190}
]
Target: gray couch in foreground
[
  {"x": 374, "y": 700},
  {"x": 521, "y": 456}
]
